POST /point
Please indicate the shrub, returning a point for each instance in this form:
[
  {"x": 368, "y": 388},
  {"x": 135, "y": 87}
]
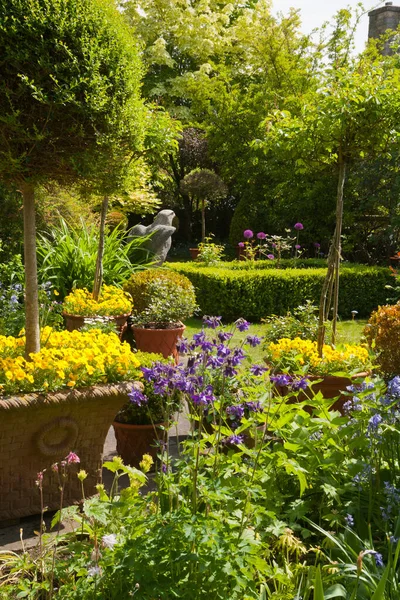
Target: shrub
[
  {"x": 161, "y": 296},
  {"x": 257, "y": 293},
  {"x": 383, "y": 334},
  {"x": 301, "y": 323}
]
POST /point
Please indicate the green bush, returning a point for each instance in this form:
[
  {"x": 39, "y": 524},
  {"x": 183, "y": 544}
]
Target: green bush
[{"x": 257, "y": 293}]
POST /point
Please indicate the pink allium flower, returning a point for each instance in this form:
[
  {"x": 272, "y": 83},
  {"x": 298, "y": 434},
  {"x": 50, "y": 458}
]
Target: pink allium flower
[
  {"x": 261, "y": 235},
  {"x": 299, "y": 226},
  {"x": 241, "y": 244},
  {"x": 248, "y": 234},
  {"x": 297, "y": 246},
  {"x": 72, "y": 458},
  {"x": 270, "y": 256},
  {"x": 317, "y": 245}
]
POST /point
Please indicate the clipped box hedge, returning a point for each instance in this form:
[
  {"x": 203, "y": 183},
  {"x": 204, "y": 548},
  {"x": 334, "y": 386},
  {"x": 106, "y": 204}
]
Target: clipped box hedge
[{"x": 257, "y": 293}]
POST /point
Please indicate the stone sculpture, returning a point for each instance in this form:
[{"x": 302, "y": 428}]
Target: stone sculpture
[{"x": 160, "y": 232}]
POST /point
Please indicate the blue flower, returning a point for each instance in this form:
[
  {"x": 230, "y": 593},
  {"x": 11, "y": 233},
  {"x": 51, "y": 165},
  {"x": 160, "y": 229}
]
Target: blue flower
[
  {"x": 281, "y": 380},
  {"x": 182, "y": 346},
  {"x": 229, "y": 371},
  {"x": 212, "y": 322},
  {"x": 224, "y": 336},
  {"x": 223, "y": 351},
  {"x": 235, "y": 411},
  {"x": 300, "y": 384},
  {"x": 253, "y": 406},
  {"x": 394, "y": 387},
  {"x": 253, "y": 340},
  {"x": 378, "y": 559},
  {"x": 257, "y": 370},
  {"x": 206, "y": 346},
  {"x": 234, "y": 439},
  {"x": 137, "y": 397},
  {"x": 349, "y": 520},
  {"x": 14, "y": 299},
  {"x": 215, "y": 361},
  {"x": 199, "y": 338},
  {"x": 374, "y": 422}
]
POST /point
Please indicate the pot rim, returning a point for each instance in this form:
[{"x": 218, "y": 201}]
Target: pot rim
[
  {"x": 181, "y": 327},
  {"x": 137, "y": 426},
  {"x": 71, "y": 316}
]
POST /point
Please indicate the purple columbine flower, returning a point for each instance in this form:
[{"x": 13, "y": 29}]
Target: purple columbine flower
[
  {"x": 281, "y": 380},
  {"x": 253, "y": 406},
  {"x": 72, "y": 458},
  {"x": 199, "y": 338},
  {"x": 253, "y": 340},
  {"x": 297, "y": 246},
  {"x": 374, "y": 422},
  {"x": 234, "y": 439},
  {"x": 212, "y": 322},
  {"x": 261, "y": 235},
  {"x": 298, "y": 226},
  {"x": 229, "y": 371},
  {"x": 300, "y": 384},
  {"x": 215, "y": 361},
  {"x": 223, "y": 351},
  {"x": 241, "y": 244},
  {"x": 242, "y": 325},
  {"x": 148, "y": 374},
  {"x": 394, "y": 387},
  {"x": 248, "y": 234},
  {"x": 270, "y": 256},
  {"x": 204, "y": 398},
  {"x": 207, "y": 346},
  {"x": 137, "y": 397},
  {"x": 237, "y": 357},
  {"x": 235, "y": 411},
  {"x": 182, "y": 346},
  {"x": 224, "y": 336},
  {"x": 257, "y": 370}
]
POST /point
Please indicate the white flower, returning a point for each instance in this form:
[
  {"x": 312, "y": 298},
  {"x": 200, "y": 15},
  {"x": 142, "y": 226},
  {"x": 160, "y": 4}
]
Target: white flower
[
  {"x": 109, "y": 540},
  {"x": 94, "y": 571}
]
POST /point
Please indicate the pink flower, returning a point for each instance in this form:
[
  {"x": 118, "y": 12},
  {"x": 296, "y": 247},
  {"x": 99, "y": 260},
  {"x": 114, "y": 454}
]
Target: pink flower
[
  {"x": 299, "y": 226},
  {"x": 317, "y": 245},
  {"x": 261, "y": 235},
  {"x": 72, "y": 458},
  {"x": 241, "y": 244},
  {"x": 248, "y": 234},
  {"x": 297, "y": 246},
  {"x": 270, "y": 256}
]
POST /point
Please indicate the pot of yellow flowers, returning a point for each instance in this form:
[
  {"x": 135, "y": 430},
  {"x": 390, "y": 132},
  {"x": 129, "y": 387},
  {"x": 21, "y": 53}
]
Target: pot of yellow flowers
[
  {"x": 60, "y": 400},
  {"x": 331, "y": 374},
  {"x": 113, "y": 303}
]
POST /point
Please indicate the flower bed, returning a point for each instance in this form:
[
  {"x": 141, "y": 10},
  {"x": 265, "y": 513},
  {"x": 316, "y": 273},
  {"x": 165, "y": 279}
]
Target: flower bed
[{"x": 112, "y": 302}]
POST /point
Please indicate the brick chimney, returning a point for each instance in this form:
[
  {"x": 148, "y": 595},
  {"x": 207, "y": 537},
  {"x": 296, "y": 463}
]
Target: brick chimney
[{"x": 381, "y": 19}]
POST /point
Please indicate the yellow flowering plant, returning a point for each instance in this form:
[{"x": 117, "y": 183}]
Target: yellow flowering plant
[
  {"x": 299, "y": 355},
  {"x": 112, "y": 302},
  {"x": 67, "y": 359}
]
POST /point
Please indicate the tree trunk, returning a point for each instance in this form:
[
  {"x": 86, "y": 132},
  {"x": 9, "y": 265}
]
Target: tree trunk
[
  {"x": 203, "y": 221},
  {"x": 332, "y": 275},
  {"x": 338, "y": 245},
  {"x": 98, "y": 276},
  {"x": 32, "y": 328}
]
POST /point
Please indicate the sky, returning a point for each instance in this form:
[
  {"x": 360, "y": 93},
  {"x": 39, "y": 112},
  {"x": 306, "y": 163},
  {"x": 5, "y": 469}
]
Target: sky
[{"x": 315, "y": 12}]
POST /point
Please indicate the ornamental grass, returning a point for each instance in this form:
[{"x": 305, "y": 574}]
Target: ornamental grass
[
  {"x": 66, "y": 360},
  {"x": 112, "y": 302},
  {"x": 302, "y": 355}
]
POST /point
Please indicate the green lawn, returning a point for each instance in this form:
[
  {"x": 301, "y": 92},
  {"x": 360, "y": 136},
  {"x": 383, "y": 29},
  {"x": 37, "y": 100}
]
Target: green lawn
[{"x": 348, "y": 332}]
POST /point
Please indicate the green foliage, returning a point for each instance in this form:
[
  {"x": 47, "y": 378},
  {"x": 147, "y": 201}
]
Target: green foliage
[
  {"x": 258, "y": 293},
  {"x": 301, "y": 322},
  {"x": 68, "y": 257},
  {"x": 210, "y": 253},
  {"x": 69, "y": 91},
  {"x": 161, "y": 296},
  {"x": 382, "y": 333}
]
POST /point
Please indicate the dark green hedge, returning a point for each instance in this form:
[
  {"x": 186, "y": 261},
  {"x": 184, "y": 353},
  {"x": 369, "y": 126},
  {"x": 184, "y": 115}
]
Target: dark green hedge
[{"x": 254, "y": 294}]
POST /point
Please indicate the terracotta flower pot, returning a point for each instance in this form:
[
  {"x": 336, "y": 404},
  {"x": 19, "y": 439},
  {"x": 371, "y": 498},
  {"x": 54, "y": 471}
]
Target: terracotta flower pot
[
  {"x": 161, "y": 341},
  {"x": 73, "y": 322},
  {"x": 37, "y": 430},
  {"x": 135, "y": 440},
  {"x": 330, "y": 386},
  {"x": 194, "y": 253}
]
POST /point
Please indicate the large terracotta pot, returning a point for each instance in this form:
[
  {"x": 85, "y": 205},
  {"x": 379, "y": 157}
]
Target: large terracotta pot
[
  {"x": 194, "y": 253},
  {"x": 135, "y": 440},
  {"x": 73, "y": 322},
  {"x": 37, "y": 430},
  {"x": 161, "y": 341},
  {"x": 330, "y": 386}
]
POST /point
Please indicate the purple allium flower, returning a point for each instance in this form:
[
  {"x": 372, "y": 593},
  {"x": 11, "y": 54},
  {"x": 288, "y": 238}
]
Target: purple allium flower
[
  {"x": 242, "y": 324},
  {"x": 349, "y": 520},
  {"x": 212, "y": 322},
  {"x": 257, "y": 370},
  {"x": 297, "y": 246},
  {"x": 298, "y": 226},
  {"x": 235, "y": 411},
  {"x": 394, "y": 387},
  {"x": 270, "y": 256},
  {"x": 261, "y": 235},
  {"x": 72, "y": 458},
  {"x": 374, "y": 421},
  {"x": 274, "y": 245},
  {"x": 281, "y": 380},
  {"x": 300, "y": 384},
  {"x": 241, "y": 244},
  {"x": 137, "y": 397},
  {"x": 234, "y": 439},
  {"x": 224, "y": 336},
  {"x": 253, "y": 340},
  {"x": 248, "y": 234},
  {"x": 317, "y": 245}
]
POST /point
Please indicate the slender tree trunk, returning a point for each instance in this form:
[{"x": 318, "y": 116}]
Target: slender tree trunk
[
  {"x": 98, "y": 277},
  {"x": 338, "y": 245},
  {"x": 203, "y": 221},
  {"x": 332, "y": 276},
  {"x": 32, "y": 328}
]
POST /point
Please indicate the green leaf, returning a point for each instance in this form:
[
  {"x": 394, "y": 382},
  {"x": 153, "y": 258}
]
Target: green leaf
[
  {"x": 335, "y": 591},
  {"x": 379, "y": 593},
  {"x": 318, "y": 587}
]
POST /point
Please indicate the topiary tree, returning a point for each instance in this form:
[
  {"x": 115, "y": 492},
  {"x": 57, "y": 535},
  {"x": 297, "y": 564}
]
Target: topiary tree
[
  {"x": 205, "y": 185},
  {"x": 69, "y": 104}
]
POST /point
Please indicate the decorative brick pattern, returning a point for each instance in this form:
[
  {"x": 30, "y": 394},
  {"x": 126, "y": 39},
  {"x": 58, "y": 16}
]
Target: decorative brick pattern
[
  {"x": 35, "y": 432},
  {"x": 382, "y": 19}
]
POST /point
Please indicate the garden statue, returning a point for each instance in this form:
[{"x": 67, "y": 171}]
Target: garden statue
[{"x": 160, "y": 231}]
